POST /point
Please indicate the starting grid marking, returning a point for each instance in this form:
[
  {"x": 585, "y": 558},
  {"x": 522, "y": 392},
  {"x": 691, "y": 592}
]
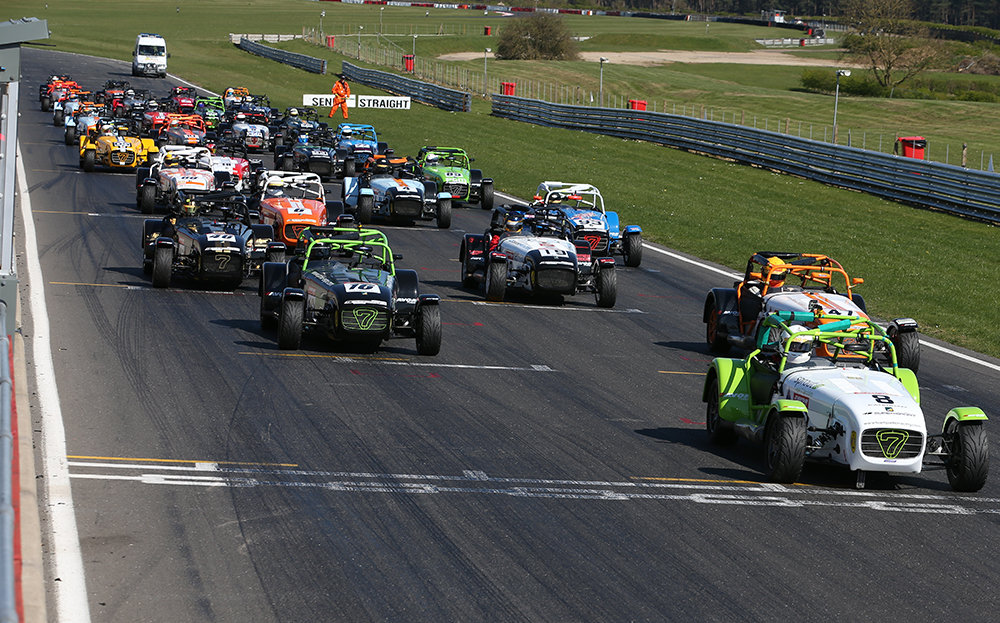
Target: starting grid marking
[
  {"x": 473, "y": 482},
  {"x": 551, "y": 307},
  {"x": 397, "y": 362}
]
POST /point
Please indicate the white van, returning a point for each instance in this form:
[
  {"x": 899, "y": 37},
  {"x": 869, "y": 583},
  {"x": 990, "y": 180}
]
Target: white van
[{"x": 150, "y": 56}]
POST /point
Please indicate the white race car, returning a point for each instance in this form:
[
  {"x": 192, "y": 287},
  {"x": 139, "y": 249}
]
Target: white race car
[
  {"x": 177, "y": 170},
  {"x": 824, "y": 394}
]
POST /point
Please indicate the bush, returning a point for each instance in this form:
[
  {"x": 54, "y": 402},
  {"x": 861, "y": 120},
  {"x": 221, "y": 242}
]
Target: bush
[
  {"x": 540, "y": 36},
  {"x": 858, "y": 84}
]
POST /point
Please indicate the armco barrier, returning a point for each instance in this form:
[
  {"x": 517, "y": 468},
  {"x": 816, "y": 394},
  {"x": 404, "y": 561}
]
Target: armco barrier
[
  {"x": 929, "y": 184},
  {"x": 308, "y": 63},
  {"x": 446, "y": 99}
]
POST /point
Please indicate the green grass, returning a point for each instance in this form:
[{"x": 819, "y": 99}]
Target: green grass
[{"x": 916, "y": 263}]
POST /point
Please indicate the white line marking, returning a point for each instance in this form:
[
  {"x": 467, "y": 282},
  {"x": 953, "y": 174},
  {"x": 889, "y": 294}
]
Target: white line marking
[
  {"x": 70, "y": 592},
  {"x": 535, "y": 368},
  {"x": 561, "y": 308}
]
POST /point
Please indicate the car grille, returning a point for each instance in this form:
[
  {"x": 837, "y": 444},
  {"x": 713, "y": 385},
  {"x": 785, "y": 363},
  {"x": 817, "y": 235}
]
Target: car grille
[
  {"x": 362, "y": 318},
  {"x": 891, "y": 443},
  {"x": 598, "y": 240},
  {"x": 407, "y": 207},
  {"x": 123, "y": 158},
  {"x": 293, "y": 230},
  {"x": 321, "y": 168},
  {"x": 558, "y": 279},
  {"x": 220, "y": 264},
  {"x": 456, "y": 189}
]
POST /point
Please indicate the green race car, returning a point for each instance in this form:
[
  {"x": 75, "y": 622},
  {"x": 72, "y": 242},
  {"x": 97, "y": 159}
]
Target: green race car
[{"x": 449, "y": 168}]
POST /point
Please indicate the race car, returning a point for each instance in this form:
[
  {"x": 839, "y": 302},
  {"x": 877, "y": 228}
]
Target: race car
[
  {"x": 359, "y": 142},
  {"x": 826, "y": 394},
  {"x": 584, "y": 206},
  {"x": 794, "y": 282},
  {"x": 251, "y": 129},
  {"x": 534, "y": 251},
  {"x": 177, "y": 171},
  {"x": 134, "y": 101},
  {"x": 211, "y": 109},
  {"x": 449, "y": 168},
  {"x": 234, "y": 96},
  {"x": 57, "y": 90},
  {"x": 290, "y": 202},
  {"x": 342, "y": 282},
  {"x": 114, "y": 147},
  {"x": 182, "y": 130},
  {"x": 84, "y": 119},
  {"x": 387, "y": 188},
  {"x": 315, "y": 153},
  {"x": 296, "y": 122},
  {"x": 210, "y": 239},
  {"x": 45, "y": 90},
  {"x": 181, "y": 100}
]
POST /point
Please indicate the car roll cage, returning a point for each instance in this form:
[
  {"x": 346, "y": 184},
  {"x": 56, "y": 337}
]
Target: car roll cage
[
  {"x": 814, "y": 271},
  {"x": 370, "y": 244}
]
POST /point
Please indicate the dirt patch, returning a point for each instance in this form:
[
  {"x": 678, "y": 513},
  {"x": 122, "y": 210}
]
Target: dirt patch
[{"x": 663, "y": 57}]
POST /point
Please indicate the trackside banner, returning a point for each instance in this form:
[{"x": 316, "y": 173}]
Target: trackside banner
[{"x": 385, "y": 102}]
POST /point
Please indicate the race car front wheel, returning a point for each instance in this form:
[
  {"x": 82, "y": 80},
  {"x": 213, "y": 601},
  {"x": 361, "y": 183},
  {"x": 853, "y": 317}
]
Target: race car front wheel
[
  {"x": 717, "y": 342},
  {"x": 147, "y": 199},
  {"x": 718, "y": 434},
  {"x": 163, "y": 260},
  {"x": 607, "y": 287},
  {"x": 785, "y": 444},
  {"x": 968, "y": 462},
  {"x": 486, "y": 196},
  {"x": 444, "y": 214},
  {"x": 290, "y": 324},
  {"x": 633, "y": 250},
  {"x": 366, "y": 207},
  {"x": 496, "y": 281},
  {"x": 429, "y": 330}
]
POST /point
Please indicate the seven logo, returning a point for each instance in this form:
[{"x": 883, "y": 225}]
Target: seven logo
[
  {"x": 365, "y": 317},
  {"x": 891, "y": 442}
]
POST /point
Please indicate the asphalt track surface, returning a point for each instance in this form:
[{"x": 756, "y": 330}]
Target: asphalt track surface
[{"x": 551, "y": 464}]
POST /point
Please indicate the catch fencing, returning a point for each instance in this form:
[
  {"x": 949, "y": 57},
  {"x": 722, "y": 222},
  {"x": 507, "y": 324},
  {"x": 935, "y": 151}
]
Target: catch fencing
[
  {"x": 308, "y": 63},
  {"x": 446, "y": 99},
  {"x": 934, "y": 185}
]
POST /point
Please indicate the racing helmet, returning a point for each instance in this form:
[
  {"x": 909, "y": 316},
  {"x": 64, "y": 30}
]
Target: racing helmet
[
  {"x": 293, "y": 112},
  {"x": 432, "y": 158},
  {"x": 777, "y": 278},
  {"x": 382, "y": 165},
  {"x": 514, "y": 223},
  {"x": 303, "y": 139},
  {"x": 153, "y": 105},
  {"x": 799, "y": 350},
  {"x": 107, "y": 129},
  {"x": 130, "y": 93},
  {"x": 347, "y": 133},
  {"x": 188, "y": 208},
  {"x": 241, "y": 117},
  {"x": 555, "y": 198}
]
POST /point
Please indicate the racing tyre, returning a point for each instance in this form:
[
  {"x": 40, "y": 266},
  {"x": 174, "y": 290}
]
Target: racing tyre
[
  {"x": 267, "y": 320},
  {"x": 607, "y": 287},
  {"x": 633, "y": 250},
  {"x": 290, "y": 324},
  {"x": 907, "y": 350},
  {"x": 70, "y": 137},
  {"x": 486, "y": 196},
  {"x": 496, "y": 281},
  {"x": 444, "y": 213},
  {"x": 785, "y": 445},
  {"x": 89, "y": 160},
  {"x": 57, "y": 118},
  {"x": 147, "y": 199},
  {"x": 279, "y": 141},
  {"x": 275, "y": 256},
  {"x": 163, "y": 260},
  {"x": 718, "y": 434},
  {"x": 46, "y": 104},
  {"x": 717, "y": 342},
  {"x": 366, "y": 206},
  {"x": 287, "y": 163},
  {"x": 429, "y": 330},
  {"x": 468, "y": 278},
  {"x": 350, "y": 167},
  {"x": 969, "y": 455}
]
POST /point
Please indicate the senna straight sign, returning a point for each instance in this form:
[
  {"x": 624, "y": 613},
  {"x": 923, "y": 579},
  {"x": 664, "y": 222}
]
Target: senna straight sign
[{"x": 383, "y": 102}]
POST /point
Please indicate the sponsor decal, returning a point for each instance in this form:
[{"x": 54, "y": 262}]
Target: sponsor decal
[
  {"x": 891, "y": 442},
  {"x": 365, "y": 317},
  {"x": 733, "y": 396},
  {"x": 386, "y": 102},
  {"x": 801, "y": 398},
  {"x": 593, "y": 240}
]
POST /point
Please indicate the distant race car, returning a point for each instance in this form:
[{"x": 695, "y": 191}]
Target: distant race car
[
  {"x": 114, "y": 147},
  {"x": 828, "y": 394},
  {"x": 388, "y": 188},
  {"x": 449, "y": 168},
  {"x": 534, "y": 251},
  {"x": 584, "y": 206},
  {"x": 83, "y": 120},
  {"x": 794, "y": 282},
  {"x": 177, "y": 172},
  {"x": 211, "y": 109},
  {"x": 359, "y": 142},
  {"x": 210, "y": 239},
  {"x": 251, "y": 129},
  {"x": 46, "y": 88},
  {"x": 183, "y": 130},
  {"x": 181, "y": 100},
  {"x": 291, "y": 202},
  {"x": 296, "y": 121},
  {"x": 343, "y": 283}
]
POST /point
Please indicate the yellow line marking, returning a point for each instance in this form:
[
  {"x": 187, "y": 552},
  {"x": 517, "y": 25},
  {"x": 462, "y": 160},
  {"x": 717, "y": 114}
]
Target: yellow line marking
[
  {"x": 129, "y": 458},
  {"x": 308, "y": 355},
  {"x": 96, "y": 285},
  {"x": 676, "y": 372}
]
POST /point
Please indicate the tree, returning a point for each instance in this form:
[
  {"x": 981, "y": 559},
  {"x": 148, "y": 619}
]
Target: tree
[
  {"x": 893, "y": 47},
  {"x": 540, "y": 36}
]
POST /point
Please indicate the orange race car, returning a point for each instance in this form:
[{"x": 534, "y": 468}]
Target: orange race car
[{"x": 292, "y": 201}]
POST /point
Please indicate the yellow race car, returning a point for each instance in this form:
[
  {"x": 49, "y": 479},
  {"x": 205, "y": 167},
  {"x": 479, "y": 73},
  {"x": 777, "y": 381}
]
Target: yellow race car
[{"x": 114, "y": 147}]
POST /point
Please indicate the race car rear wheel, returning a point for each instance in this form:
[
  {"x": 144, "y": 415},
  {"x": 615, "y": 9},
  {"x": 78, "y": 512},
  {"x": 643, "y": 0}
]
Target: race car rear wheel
[
  {"x": 366, "y": 207},
  {"x": 717, "y": 342},
  {"x": 89, "y": 160},
  {"x": 350, "y": 168},
  {"x": 290, "y": 324},
  {"x": 57, "y": 118},
  {"x": 633, "y": 250},
  {"x": 907, "y": 349},
  {"x": 163, "y": 260},
  {"x": 70, "y": 136},
  {"x": 607, "y": 287},
  {"x": 718, "y": 434},
  {"x": 444, "y": 213},
  {"x": 147, "y": 199},
  {"x": 968, "y": 462},
  {"x": 785, "y": 444},
  {"x": 288, "y": 163},
  {"x": 468, "y": 278},
  {"x": 429, "y": 330},
  {"x": 496, "y": 281},
  {"x": 46, "y": 104},
  {"x": 486, "y": 196}
]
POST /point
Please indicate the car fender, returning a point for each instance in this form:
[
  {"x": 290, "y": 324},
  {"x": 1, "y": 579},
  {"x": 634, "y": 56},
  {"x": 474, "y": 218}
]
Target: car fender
[
  {"x": 293, "y": 294},
  {"x": 473, "y": 242},
  {"x": 633, "y": 229},
  {"x": 497, "y": 256},
  {"x": 901, "y": 325},
  {"x": 429, "y": 299},
  {"x": 724, "y": 300},
  {"x": 909, "y": 381},
  {"x": 734, "y": 388},
  {"x": 964, "y": 414},
  {"x": 162, "y": 241},
  {"x": 407, "y": 291},
  {"x": 441, "y": 196},
  {"x": 613, "y": 224}
]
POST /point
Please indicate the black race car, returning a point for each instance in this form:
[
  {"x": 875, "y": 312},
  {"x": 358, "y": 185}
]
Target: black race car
[
  {"x": 317, "y": 153},
  {"x": 343, "y": 282},
  {"x": 209, "y": 238}
]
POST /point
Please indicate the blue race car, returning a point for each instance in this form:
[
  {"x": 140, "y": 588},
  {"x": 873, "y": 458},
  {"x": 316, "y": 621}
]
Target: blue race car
[{"x": 359, "y": 142}]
